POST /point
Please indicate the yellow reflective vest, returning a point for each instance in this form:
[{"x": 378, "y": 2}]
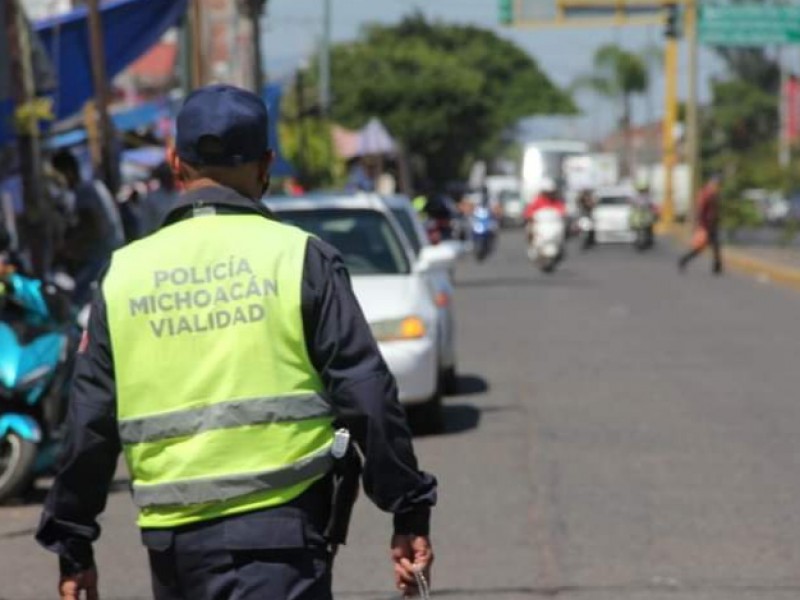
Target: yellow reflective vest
[{"x": 220, "y": 410}]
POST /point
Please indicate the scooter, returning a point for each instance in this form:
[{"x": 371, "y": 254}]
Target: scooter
[
  {"x": 585, "y": 230},
  {"x": 36, "y": 349},
  {"x": 483, "y": 227},
  {"x": 642, "y": 223},
  {"x": 546, "y": 239}
]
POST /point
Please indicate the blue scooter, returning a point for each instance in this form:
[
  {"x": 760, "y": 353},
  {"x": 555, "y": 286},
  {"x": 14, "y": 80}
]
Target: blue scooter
[
  {"x": 34, "y": 374},
  {"x": 484, "y": 228}
]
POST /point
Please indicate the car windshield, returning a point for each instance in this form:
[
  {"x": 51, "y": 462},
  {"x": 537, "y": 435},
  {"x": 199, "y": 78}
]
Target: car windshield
[
  {"x": 613, "y": 201},
  {"x": 365, "y": 238},
  {"x": 405, "y": 220},
  {"x": 507, "y": 196}
]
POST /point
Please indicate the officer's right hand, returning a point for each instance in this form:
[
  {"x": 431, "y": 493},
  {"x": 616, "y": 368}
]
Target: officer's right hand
[
  {"x": 411, "y": 553},
  {"x": 70, "y": 587}
]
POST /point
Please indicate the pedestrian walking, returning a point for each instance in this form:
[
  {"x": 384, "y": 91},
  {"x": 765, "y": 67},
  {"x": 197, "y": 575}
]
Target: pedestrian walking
[
  {"x": 706, "y": 234},
  {"x": 158, "y": 202},
  {"x": 223, "y": 356},
  {"x": 95, "y": 227}
]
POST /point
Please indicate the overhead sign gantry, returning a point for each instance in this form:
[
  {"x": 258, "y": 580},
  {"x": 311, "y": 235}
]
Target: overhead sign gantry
[{"x": 678, "y": 18}]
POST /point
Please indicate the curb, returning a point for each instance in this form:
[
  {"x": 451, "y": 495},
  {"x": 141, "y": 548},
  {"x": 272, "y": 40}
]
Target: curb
[
  {"x": 761, "y": 269},
  {"x": 742, "y": 262}
]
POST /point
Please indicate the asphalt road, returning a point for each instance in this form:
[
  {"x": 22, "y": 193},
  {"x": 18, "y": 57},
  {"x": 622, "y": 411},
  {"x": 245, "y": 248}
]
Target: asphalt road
[{"x": 622, "y": 433}]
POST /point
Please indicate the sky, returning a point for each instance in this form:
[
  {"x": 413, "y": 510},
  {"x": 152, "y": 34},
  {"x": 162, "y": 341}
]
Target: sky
[{"x": 292, "y": 29}]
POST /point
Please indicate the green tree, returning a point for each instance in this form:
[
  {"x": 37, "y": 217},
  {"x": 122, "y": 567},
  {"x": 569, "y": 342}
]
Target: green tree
[
  {"x": 446, "y": 91},
  {"x": 619, "y": 75},
  {"x": 307, "y": 141},
  {"x": 743, "y": 118},
  {"x": 743, "y": 115}
]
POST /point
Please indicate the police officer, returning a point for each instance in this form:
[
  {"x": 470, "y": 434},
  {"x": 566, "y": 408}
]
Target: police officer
[{"x": 220, "y": 352}]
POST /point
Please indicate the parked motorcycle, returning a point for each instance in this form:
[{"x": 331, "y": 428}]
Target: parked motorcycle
[
  {"x": 642, "y": 223},
  {"x": 546, "y": 239},
  {"x": 483, "y": 227},
  {"x": 37, "y": 339}
]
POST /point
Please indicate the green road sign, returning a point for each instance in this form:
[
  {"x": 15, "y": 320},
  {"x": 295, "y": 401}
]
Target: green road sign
[
  {"x": 749, "y": 25},
  {"x": 505, "y": 12}
]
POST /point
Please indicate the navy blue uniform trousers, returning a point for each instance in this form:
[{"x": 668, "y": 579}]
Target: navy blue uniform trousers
[
  {"x": 224, "y": 574},
  {"x": 273, "y": 554}
]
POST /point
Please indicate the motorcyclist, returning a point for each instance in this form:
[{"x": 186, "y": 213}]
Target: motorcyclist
[
  {"x": 547, "y": 199},
  {"x": 643, "y": 198},
  {"x": 586, "y": 204},
  {"x": 643, "y": 216}
]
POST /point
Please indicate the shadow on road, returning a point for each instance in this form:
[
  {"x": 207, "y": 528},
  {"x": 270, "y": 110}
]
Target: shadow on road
[
  {"x": 459, "y": 418},
  {"x": 471, "y": 385}
]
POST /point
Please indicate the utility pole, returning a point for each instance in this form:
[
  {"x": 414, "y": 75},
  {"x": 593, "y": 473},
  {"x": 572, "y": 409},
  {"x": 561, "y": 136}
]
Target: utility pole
[
  {"x": 692, "y": 110},
  {"x": 104, "y": 162},
  {"x": 185, "y": 44},
  {"x": 784, "y": 141},
  {"x": 255, "y": 10},
  {"x": 325, "y": 61},
  {"x": 670, "y": 111},
  {"x": 196, "y": 36},
  {"x": 37, "y": 221},
  {"x": 302, "y": 141}
]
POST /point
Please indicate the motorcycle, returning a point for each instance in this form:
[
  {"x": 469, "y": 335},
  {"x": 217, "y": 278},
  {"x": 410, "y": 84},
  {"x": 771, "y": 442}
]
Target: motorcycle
[
  {"x": 36, "y": 350},
  {"x": 483, "y": 228},
  {"x": 585, "y": 229},
  {"x": 642, "y": 222},
  {"x": 546, "y": 239}
]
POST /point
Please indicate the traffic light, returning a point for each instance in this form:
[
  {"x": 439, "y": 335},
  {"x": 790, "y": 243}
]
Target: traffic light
[
  {"x": 505, "y": 11},
  {"x": 672, "y": 25}
]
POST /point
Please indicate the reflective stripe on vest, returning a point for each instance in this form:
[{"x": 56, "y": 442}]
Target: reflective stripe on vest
[
  {"x": 235, "y": 413},
  {"x": 217, "y": 489}
]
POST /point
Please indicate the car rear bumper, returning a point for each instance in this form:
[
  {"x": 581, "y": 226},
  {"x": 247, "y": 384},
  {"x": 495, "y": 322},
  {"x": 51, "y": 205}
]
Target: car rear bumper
[
  {"x": 622, "y": 236},
  {"x": 414, "y": 365}
]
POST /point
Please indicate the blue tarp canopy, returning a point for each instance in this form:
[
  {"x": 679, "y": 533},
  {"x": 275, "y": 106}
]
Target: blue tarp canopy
[
  {"x": 143, "y": 116},
  {"x": 130, "y": 28},
  {"x": 150, "y": 113}
]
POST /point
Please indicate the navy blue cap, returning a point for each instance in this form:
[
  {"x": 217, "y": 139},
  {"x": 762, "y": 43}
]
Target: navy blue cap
[{"x": 222, "y": 125}]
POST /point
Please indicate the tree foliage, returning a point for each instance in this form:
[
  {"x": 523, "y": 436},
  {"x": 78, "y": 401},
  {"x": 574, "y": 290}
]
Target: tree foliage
[
  {"x": 618, "y": 74},
  {"x": 743, "y": 114},
  {"x": 743, "y": 118},
  {"x": 307, "y": 144},
  {"x": 446, "y": 91}
]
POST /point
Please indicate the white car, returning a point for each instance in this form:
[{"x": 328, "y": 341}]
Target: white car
[
  {"x": 611, "y": 216},
  {"x": 513, "y": 207},
  {"x": 440, "y": 281},
  {"x": 391, "y": 284}
]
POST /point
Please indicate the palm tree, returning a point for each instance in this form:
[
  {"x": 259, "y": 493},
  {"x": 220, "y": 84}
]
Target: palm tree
[{"x": 619, "y": 74}]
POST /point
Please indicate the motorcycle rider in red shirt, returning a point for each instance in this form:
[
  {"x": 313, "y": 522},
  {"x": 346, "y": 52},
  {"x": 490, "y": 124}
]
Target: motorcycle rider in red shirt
[{"x": 547, "y": 198}]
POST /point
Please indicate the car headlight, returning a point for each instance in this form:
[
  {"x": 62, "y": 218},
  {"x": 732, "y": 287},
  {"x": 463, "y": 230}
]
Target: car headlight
[{"x": 410, "y": 328}]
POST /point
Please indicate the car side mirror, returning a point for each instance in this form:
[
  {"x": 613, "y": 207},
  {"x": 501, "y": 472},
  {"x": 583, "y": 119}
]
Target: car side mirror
[{"x": 436, "y": 258}]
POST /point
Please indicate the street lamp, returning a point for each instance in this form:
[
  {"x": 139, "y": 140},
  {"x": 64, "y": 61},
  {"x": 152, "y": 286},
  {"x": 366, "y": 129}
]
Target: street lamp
[{"x": 254, "y": 10}]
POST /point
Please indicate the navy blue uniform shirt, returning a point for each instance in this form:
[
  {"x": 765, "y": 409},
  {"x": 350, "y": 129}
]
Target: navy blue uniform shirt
[{"x": 357, "y": 381}]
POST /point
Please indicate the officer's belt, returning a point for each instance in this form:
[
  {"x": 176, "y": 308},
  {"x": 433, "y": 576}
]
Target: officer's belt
[
  {"x": 223, "y": 415},
  {"x": 218, "y": 489}
]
